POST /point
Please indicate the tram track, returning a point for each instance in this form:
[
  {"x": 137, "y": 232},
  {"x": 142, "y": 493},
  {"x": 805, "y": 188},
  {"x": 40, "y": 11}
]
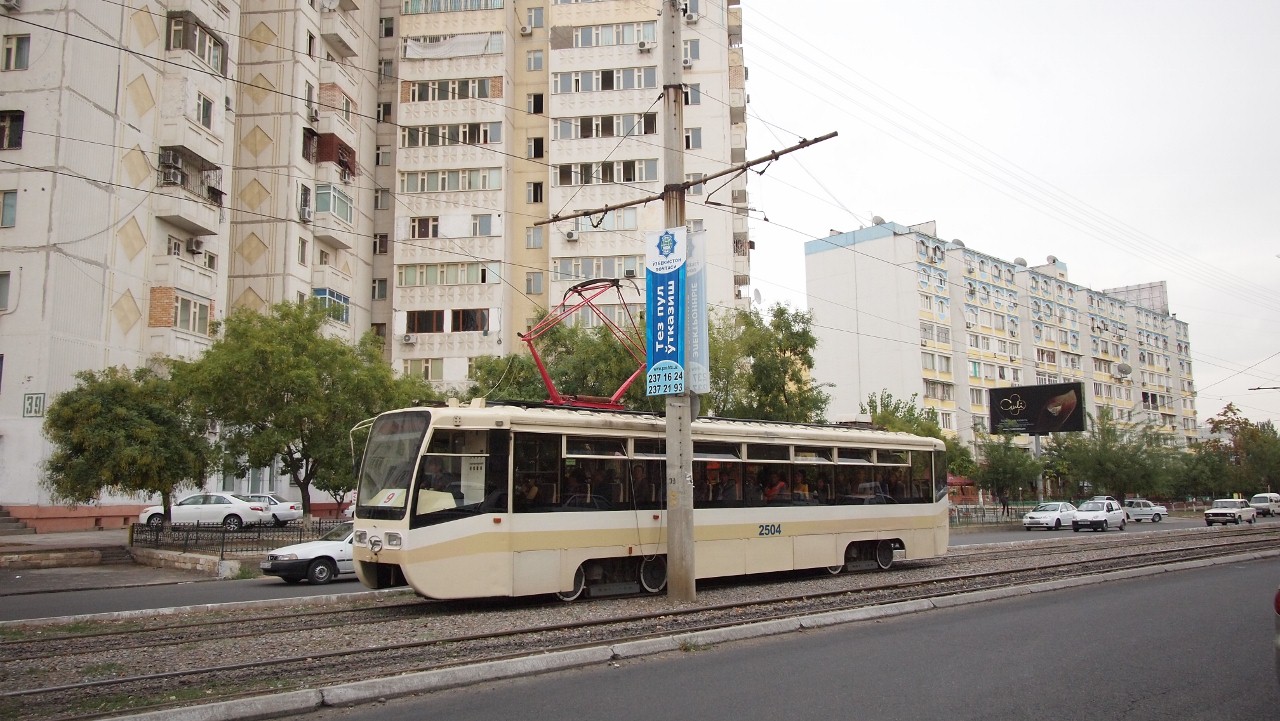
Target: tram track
[{"x": 439, "y": 650}]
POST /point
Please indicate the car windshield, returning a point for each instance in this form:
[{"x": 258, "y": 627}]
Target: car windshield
[
  {"x": 1091, "y": 506},
  {"x": 242, "y": 498},
  {"x": 338, "y": 532},
  {"x": 1225, "y": 504},
  {"x": 1261, "y": 499},
  {"x": 1047, "y": 507}
]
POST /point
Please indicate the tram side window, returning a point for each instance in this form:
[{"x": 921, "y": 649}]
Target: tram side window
[
  {"x": 644, "y": 485},
  {"x": 717, "y": 484},
  {"x": 537, "y": 471}
]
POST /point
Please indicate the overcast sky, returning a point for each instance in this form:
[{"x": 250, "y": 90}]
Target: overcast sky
[{"x": 1137, "y": 141}]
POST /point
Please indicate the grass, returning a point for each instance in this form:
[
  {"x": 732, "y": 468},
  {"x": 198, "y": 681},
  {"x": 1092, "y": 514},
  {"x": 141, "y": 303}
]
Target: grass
[{"x": 247, "y": 571}]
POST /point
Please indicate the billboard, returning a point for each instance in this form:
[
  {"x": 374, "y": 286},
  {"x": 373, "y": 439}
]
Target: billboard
[
  {"x": 1038, "y": 410},
  {"x": 665, "y": 277}
]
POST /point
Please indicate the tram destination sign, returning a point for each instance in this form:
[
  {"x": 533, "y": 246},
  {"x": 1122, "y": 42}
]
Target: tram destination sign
[{"x": 1038, "y": 410}]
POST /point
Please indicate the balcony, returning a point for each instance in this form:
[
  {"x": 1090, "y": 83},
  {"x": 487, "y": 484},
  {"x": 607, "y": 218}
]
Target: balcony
[
  {"x": 331, "y": 122},
  {"x": 333, "y": 73},
  {"x": 327, "y": 276},
  {"x": 339, "y": 34},
  {"x": 189, "y": 192}
]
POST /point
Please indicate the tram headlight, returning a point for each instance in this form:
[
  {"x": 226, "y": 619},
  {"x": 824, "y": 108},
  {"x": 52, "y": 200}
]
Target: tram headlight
[
  {"x": 362, "y": 537},
  {"x": 393, "y": 540},
  {"x": 375, "y": 544}
]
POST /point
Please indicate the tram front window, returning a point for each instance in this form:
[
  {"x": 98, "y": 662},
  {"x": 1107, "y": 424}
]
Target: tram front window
[{"x": 386, "y": 471}]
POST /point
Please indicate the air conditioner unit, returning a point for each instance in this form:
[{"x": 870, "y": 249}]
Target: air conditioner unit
[
  {"x": 571, "y": 235},
  {"x": 10, "y": 4},
  {"x": 686, "y": 63},
  {"x": 195, "y": 245},
  {"x": 968, "y": 324},
  {"x": 315, "y": 115},
  {"x": 304, "y": 214},
  {"x": 645, "y": 46},
  {"x": 408, "y": 338},
  {"x": 170, "y": 159},
  {"x": 969, "y": 269},
  {"x": 526, "y": 30},
  {"x": 691, "y": 18},
  {"x": 1013, "y": 334},
  {"x": 629, "y": 273},
  {"x": 170, "y": 176}
]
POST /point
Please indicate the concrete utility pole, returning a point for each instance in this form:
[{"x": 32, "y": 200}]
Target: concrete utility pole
[{"x": 681, "y": 408}]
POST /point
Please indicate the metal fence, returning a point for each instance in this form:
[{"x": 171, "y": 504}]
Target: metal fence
[
  {"x": 216, "y": 540},
  {"x": 964, "y": 515}
]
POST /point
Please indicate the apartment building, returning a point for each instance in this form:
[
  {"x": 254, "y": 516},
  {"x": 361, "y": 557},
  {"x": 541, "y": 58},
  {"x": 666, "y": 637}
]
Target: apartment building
[
  {"x": 507, "y": 112},
  {"x": 169, "y": 163},
  {"x": 896, "y": 308}
]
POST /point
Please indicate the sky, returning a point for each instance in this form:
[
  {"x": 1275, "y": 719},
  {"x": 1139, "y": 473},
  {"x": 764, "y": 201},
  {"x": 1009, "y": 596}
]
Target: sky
[{"x": 1136, "y": 141}]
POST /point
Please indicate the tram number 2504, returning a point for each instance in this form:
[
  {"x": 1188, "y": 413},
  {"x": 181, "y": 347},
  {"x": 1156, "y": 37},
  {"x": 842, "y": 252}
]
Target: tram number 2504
[{"x": 770, "y": 529}]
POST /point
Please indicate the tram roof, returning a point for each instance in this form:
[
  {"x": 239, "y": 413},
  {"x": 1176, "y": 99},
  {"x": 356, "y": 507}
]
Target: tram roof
[{"x": 590, "y": 421}]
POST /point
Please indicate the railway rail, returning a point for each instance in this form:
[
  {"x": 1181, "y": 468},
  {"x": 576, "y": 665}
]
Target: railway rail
[{"x": 96, "y": 675}]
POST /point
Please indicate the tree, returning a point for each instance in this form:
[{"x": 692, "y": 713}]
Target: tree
[
  {"x": 1114, "y": 457},
  {"x": 761, "y": 367},
  {"x": 285, "y": 390},
  {"x": 1248, "y": 453},
  {"x": 123, "y": 432},
  {"x": 904, "y": 416},
  {"x": 1005, "y": 468}
]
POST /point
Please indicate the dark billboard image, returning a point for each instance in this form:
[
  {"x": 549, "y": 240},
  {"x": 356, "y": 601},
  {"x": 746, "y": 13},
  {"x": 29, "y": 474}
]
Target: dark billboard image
[{"x": 1038, "y": 410}]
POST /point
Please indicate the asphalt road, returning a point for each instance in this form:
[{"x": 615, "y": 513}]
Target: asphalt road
[{"x": 1186, "y": 645}]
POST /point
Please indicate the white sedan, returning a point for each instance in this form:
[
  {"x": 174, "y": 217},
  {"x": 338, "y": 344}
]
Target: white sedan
[
  {"x": 230, "y": 511},
  {"x": 281, "y": 512},
  {"x": 1230, "y": 510},
  {"x": 1052, "y": 515},
  {"x": 1141, "y": 509},
  {"x": 317, "y": 561}
]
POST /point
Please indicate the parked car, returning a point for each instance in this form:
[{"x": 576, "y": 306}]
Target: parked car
[
  {"x": 281, "y": 511},
  {"x": 1052, "y": 515},
  {"x": 1140, "y": 509},
  {"x": 1099, "y": 515},
  {"x": 1266, "y": 504},
  {"x": 317, "y": 561},
  {"x": 228, "y": 510},
  {"x": 1230, "y": 510}
]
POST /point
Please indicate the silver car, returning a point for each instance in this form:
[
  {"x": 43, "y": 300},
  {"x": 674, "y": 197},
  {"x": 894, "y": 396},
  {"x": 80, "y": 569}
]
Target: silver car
[
  {"x": 1099, "y": 515},
  {"x": 1141, "y": 509},
  {"x": 1052, "y": 516}
]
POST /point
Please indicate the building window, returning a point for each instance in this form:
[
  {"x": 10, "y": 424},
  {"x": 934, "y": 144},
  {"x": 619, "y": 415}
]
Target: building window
[
  {"x": 386, "y": 70},
  {"x": 691, "y": 49},
  {"x": 431, "y": 369},
  {"x": 534, "y": 103},
  {"x": 533, "y": 237},
  {"x": 386, "y": 27},
  {"x": 533, "y": 283},
  {"x": 311, "y": 45},
  {"x": 382, "y": 155},
  {"x": 4, "y": 291},
  {"x": 380, "y": 243},
  {"x": 8, "y": 208},
  {"x": 185, "y": 34},
  {"x": 332, "y": 200},
  {"x": 302, "y": 251},
  {"x": 533, "y": 60},
  {"x": 692, "y": 138},
  {"x": 322, "y": 256},
  {"x": 379, "y": 288},
  {"x": 533, "y": 193},
  {"x": 382, "y": 199},
  {"x": 535, "y": 148},
  {"x": 481, "y": 225},
  {"x": 17, "y": 51},
  {"x": 176, "y": 248},
  {"x": 210, "y": 261},
  {"x": 693, "y": 94},
  {"x": 384, "y": 112},
  {"x": 425, "y": 227},
  {"x": 204, "y": 110},
  {"x": 191, "y": 315},
  {"x": 696, "y": 178},
  {"x": 11, "y": 129},
  {"x": 338, "y": 305},
  {"x": 424, "y": 321},
  {"x": 469, "y": 320},
  {"x": 379, "y": 329},
  {"x": 535, "y": 17}
]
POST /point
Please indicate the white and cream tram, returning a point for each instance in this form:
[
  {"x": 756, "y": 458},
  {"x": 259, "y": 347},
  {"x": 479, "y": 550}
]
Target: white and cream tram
[{"x": 500, "y": 500}]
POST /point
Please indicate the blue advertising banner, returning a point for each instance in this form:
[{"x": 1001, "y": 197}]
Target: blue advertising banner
[
  {"x": 697, "y": 354},
  {"x": 665, "y": 273}
]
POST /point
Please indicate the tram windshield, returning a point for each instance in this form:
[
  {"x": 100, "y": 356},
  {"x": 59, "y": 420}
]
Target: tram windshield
[{"x": 386, "y": 472}]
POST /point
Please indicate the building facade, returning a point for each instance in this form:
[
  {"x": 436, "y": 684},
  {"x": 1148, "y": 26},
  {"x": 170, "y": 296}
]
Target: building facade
[
  {"x": 896, "y": 308},
  {"x": 171, "y": 163}
]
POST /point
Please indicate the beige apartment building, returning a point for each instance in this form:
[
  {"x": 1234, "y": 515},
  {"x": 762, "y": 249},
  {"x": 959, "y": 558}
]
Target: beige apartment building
[{"x": 167, "y": 162}]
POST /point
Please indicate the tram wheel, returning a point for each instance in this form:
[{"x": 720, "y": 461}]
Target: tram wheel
[
  {"x": 653, "y": 574},
  {"x": 579, "y": 585},
  {"x": 884, "y": 555}
]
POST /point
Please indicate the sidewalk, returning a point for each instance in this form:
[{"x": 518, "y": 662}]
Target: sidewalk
[{"x": 81, "y": 560}]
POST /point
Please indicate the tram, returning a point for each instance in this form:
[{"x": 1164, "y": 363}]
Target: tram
[{"x": 507, "y": 500}]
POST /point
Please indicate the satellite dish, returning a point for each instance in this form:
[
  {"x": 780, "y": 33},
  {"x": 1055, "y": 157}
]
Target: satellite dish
[
  {"x": 328, "y": 5},
  {"x": 1124, "y": 369},
  {"x": 1051, "y": 259},
  {"x": 877, "y": 220},
  {"x": 755, "y": 296},
  {"x": 1020, "y": 261},
  {"x": 958, "y": 243}
]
